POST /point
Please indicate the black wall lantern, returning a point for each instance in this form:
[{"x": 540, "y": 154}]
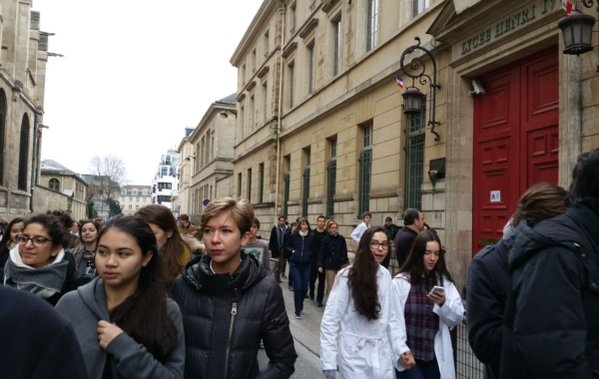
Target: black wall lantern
[
  {"x": 577, "y": 30},
  {"x": 416, "y": 69}
]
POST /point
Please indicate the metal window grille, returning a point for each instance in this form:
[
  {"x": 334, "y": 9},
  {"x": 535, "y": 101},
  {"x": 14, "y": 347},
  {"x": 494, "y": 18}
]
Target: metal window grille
[
  {"x": 261, "y": 188},
  {"x": 415, "y": 160},
  {"x": 306, "y": 191},
  {"x": 286, "y": 195},
  {"x": 373, "y": 24},
  {"x": 331, "y": 188},
  {"x": 365, "y": 175},
  {"x": 249, "y": 185}
]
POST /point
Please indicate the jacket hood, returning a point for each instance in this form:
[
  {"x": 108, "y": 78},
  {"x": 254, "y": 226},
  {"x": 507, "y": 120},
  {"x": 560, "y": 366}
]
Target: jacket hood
[
  {"x": 94, "y": 298},
  {"x": 529, "y": 239},
  {"x": 199, "y": 275}
]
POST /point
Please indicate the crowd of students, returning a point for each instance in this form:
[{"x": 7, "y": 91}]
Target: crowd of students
[{"x": 137, "y": 301}]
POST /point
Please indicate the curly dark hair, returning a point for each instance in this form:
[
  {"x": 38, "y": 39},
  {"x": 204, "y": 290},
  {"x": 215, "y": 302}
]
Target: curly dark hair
[
  {"x": 54, "y": 225},
  {"x": 362, "y": 277}
]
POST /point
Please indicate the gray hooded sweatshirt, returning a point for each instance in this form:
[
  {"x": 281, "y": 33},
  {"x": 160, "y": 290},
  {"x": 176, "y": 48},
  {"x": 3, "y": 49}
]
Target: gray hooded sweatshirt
[{"x": 86, "y": 306}]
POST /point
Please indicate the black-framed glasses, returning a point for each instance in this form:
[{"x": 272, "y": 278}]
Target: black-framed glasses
[
  {"x": 376, "y": 244},
  {"x": 36, "y": 241}
]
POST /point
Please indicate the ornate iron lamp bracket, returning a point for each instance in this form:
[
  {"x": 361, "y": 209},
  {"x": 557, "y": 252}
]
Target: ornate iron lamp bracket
[{"x": 416, "y": 69}]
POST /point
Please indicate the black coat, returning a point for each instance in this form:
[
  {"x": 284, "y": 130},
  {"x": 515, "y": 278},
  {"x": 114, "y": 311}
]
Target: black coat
[
  {"x": 252, "y": 303},
  {"x": 333, "y": 252},
  {"x": 486, "y": 291},
  {"x": 37, "y": 342},
  {"x": 273, "y": 243},
  {"x": 552, "y": 316},
  {"x": 403, "y": 244}
]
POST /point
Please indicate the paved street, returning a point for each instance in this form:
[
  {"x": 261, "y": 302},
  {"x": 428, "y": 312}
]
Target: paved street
[{"x": 306, "y": 333}]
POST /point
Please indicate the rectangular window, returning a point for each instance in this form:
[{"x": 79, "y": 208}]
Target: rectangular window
[
  {"x": 332, "y": 176},
  {"x": 311, "y": 67},
  {"x": 365, "y": 168},
  {"x": 306, "y": 181},
  {"x": 292, "y": 20},
  {"x": 287, "y": 184},
  {"x": 249, "y": 185},
  {"x": 290, "y": 82},
  {"x": 254, "y": 63},
  {"x": 239, "y": 182},
  {"x": 265, "y": 102},
  {"x": 261, "y": 183},
  {"x": 337, "y": 45},
  {"x": 373, "y": 24},
  {"x": 266, "y": 43},
  {"x": 418, "y": 6},
  {"x": 250, "y": 115},
  {"x": 415, "y": 158}
]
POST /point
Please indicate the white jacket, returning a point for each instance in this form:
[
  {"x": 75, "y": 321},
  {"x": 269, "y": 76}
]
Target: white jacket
[
  {"x": 363, "y": 349},
  {"x": 450, "y": 315}
]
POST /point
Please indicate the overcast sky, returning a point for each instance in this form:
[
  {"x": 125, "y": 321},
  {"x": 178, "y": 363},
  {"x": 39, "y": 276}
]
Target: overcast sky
[{"x": 134, "y": 75}]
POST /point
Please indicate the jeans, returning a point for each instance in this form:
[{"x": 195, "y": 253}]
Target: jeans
[
  {"x": 300, "y": 276},
  {"x": 422, "y": 370}
]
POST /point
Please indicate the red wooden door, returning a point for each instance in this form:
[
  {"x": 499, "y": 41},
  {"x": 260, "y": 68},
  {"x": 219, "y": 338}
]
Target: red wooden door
[{"x": 515, "y": 139}]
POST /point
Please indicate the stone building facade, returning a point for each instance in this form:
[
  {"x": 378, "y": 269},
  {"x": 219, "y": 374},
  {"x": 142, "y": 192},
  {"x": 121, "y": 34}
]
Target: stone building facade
[
  {"x": 23, "y": 62},
  {"x": 132, "y": 197},
  {"x": 61, "y": 188},
  {"x": 322, "y": 127},
  {"x": 207, "y": 159}
]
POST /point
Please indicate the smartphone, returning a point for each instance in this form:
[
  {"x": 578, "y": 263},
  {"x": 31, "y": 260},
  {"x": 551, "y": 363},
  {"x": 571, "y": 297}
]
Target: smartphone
[{"x": 438, "y": 289}]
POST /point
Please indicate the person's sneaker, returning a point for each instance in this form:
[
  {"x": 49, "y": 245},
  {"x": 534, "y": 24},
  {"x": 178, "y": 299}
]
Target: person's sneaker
[{"x": 299, "y": 317}]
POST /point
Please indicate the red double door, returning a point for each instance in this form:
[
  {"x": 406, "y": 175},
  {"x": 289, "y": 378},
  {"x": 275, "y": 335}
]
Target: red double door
[{"x": 516, "y": 139}]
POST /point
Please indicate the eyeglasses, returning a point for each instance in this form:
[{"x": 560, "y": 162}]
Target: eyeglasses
[
  {"x": 36, "y": 241},
  {"x": 377, "y": 245}
]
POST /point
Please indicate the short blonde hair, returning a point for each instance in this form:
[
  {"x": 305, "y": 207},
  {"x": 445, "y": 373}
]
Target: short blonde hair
[{"x": 241, "y": 211}]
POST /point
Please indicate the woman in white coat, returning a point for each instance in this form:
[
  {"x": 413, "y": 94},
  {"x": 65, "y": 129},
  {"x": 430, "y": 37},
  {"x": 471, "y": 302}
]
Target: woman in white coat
[
  {"x": 358, "y": 323},
  {"x": 427, "y": 304}
]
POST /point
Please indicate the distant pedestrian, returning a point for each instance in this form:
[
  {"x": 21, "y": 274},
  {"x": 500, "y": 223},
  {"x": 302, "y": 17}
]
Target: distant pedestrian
[
  {"x": 230, "y": 303},
  {"x": 392, "y": 230},
  {"x": 361, "y": 228},
  {"x": 427, "y": 304},
  {"x": 358, "y": 325},
  {"x": 85, "y": 253},
  {"x": 299, "y": 252},
  {"x": 175, "y": 252},
  {"x": 37, "y": 342},
  {"x": 13, "y": 229},
  {"x": 186, "y": 228},
  {"x": 551, "y": 328},
  {"x": 39, "y": 263},
  {"x": 256, "y": 247},
  {"x": 414, "y": 223},
  {"x": 124, "y": 322},
  {"x": 276, "y": 244},
  {"x": 319, "y": 232},
  {"x": 488, "y": 275},
  {"x": 333, "y": 255}
]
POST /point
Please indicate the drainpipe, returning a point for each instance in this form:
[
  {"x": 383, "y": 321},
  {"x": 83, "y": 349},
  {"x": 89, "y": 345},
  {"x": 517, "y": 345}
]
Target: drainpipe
[{"x": 282, "y": 12}]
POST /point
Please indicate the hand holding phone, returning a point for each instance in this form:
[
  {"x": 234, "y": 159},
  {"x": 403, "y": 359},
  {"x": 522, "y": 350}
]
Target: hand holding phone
[{"x": 438, "y": 290}]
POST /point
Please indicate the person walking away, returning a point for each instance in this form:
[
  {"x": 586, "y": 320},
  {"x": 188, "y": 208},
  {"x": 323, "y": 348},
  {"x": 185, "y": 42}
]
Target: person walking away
[
  {"x": 175, "y": 252},
  {"x": 361, "y": 228},
  {"x": 391, "y": 230},
  {"x": 319, "y": 232},
  {"x": 186, "y": 228},
  {"x": 551, "y": 328},
  {"x": 230, "y": 303},
  {"x": 427, "y": 305},
  {"x": 37, "y": 342},
  {"x": 299, "y": 252},
  {"x": 358, "y": 323},
  {"x": 276, "y": 244},
  {"x": 333, "y": 255},
  {"x": 39, "y": 263},
  {"x": 413, "y": 224},
  {"x": 488, "y": 276},
  {"x": 257, "y": 247},
  {"x": 124, "y": 322}
]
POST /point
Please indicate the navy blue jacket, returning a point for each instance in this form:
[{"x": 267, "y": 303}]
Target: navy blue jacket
[
  {"x": 333, "y": 252},
  {"x": 299, "y": 249}
]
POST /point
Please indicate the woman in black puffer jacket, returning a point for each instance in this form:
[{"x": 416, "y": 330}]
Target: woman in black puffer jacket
[{"x": 333, "y": 253}]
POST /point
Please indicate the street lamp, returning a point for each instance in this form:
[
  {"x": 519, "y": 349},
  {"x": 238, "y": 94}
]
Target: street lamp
[
  {"x": 413, "y": 97},
  {"x": 577, "y": 30}
]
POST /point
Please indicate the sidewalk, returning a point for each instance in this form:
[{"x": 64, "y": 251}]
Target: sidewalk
[{"x": 306, "y": 335}]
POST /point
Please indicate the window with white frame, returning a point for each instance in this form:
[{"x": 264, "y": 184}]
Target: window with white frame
[
  {"x": 418, "y": 6},
  {"x": 373, "y": 24},
  {"x": 337, "y": 45}
]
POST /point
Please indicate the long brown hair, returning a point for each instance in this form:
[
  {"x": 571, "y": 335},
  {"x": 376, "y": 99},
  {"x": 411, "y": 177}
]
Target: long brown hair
[
  {"x": 414, "y": 265},
  {"x": 174, "y": 249},
  {"x": 362, "y": 277},
  {"x": 540, "y": 202}
]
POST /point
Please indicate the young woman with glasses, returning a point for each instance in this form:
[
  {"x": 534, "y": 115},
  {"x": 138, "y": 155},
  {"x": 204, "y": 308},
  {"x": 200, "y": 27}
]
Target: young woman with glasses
[
  {"x": 39, "y": 263},
  {"x": 358, "y": 324},
  {"x": 9, "y": 241}
]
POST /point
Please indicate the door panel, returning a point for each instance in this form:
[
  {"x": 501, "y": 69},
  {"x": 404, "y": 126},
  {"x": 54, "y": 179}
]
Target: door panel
[{"x": 516, "y": 139}]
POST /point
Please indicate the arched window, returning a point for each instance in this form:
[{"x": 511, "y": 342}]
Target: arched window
[
  {"x": 24, "y": 154},
  {"x": 54, "y": 184},
  {"x": 2, "y": 133}
]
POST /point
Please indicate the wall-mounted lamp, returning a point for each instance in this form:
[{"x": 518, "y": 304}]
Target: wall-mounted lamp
[
  {"x": 577, "y": 29},
  {"x": 413, "y": 98},
  {"x": 190, "y": 157}
]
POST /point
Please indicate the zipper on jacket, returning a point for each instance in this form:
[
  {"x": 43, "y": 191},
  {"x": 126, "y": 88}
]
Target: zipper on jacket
[{"x": 231, "y": 323}]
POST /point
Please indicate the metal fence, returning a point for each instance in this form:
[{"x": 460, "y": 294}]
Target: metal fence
[{"x": 467, "y": 366}]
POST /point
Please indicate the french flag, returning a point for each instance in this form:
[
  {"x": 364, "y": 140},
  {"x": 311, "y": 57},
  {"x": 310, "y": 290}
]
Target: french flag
[
  {"x": 568, "y": 6},
  {"x": 399, "y": 81}
]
